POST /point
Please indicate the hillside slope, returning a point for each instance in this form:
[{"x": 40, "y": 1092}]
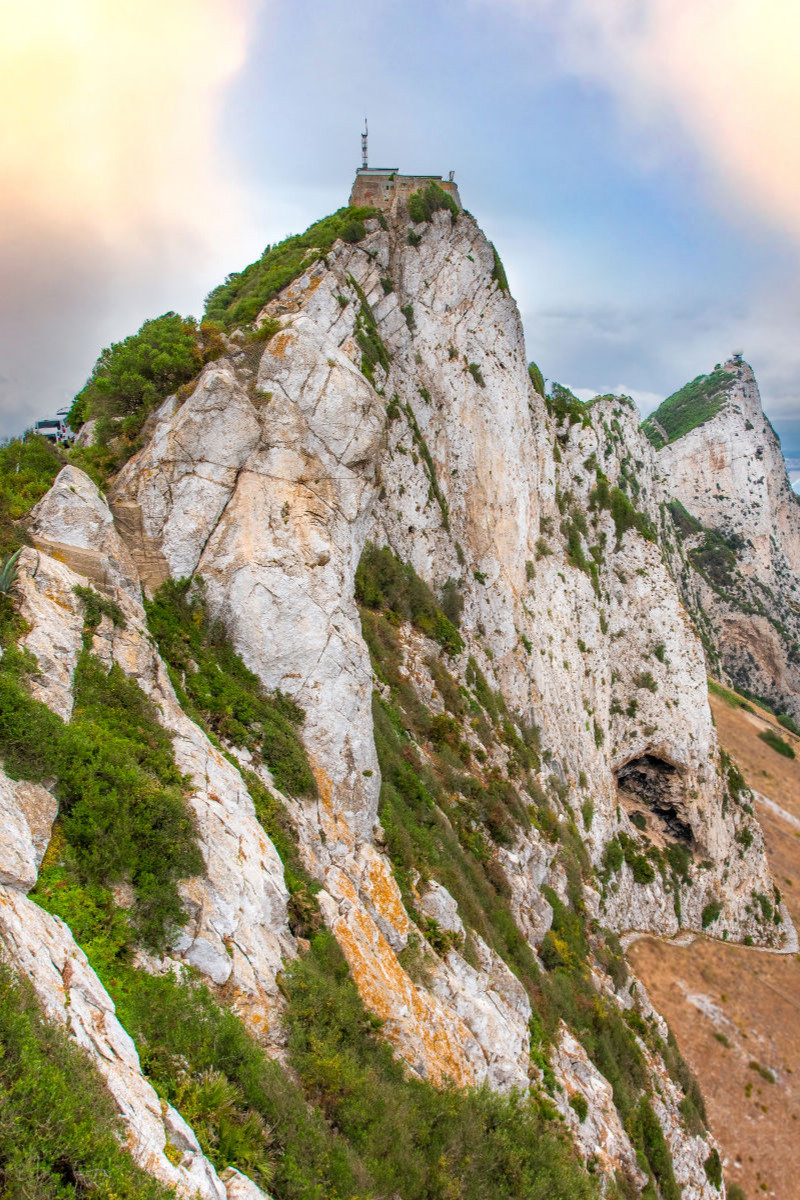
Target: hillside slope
[{"x": 449, "y": 593}]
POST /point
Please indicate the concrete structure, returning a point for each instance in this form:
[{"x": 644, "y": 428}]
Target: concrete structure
[{"x": 382, "y": 186}]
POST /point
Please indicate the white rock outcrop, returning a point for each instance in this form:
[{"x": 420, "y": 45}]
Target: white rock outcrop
[
  {"x": 729, "y": 473},
  {"x": 42, "y": 948},
  {"x": 268, "y": 480}
]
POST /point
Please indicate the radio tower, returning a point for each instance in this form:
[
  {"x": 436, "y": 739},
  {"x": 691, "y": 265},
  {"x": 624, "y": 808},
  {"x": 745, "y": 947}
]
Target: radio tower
[{"x": 364, "y": 146}]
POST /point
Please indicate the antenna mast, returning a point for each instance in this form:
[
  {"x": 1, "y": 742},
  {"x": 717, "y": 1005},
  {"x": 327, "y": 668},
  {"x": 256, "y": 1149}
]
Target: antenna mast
[{"x": 364, "y": 146}]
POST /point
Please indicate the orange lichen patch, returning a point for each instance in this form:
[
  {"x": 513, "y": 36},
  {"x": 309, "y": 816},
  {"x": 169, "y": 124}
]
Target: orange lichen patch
[
  {"x": 299, "y": 291},
  {"x": 379, "y": 885},
  {"x": 425, "y": 1033},
  {"x": 331, "y": 822},
  {"x": 280, "y": 343}
]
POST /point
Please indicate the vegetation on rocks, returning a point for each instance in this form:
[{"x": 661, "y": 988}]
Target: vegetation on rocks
[
  {"x": 241, "y": 297},
  {"x": 537, "y": 379},
  {"x": 442, "y": 818},
  {"x": 60, "y": 1134},
  {"x": 216, "y": 688},
  {"x": 122, "y": 807},
  {"x": 131, "y": 378},
  {"x": 373, "y": 351},
  {"x": 349, "y": 1122},
  {"x": 423, "y": 204},
  {"x": 692, "y": 405},
  {"x": 384, "y": 582},
  {"x": 28, "y": 467}
]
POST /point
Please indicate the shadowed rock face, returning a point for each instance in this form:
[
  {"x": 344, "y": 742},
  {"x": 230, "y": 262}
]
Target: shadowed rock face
[{"x": 657, "y": 785}]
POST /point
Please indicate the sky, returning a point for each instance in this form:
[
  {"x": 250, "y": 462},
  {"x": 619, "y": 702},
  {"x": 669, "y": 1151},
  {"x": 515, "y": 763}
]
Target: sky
[{"x": 636, "y": 162}]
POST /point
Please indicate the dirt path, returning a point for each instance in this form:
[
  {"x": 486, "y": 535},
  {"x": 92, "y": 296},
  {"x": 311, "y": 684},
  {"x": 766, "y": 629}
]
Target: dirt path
[{"x": 734, "y": 1010}]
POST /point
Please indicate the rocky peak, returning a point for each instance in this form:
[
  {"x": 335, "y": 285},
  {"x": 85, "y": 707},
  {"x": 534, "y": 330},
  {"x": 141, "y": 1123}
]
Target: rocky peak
[
  {"x": 461, "y": 584},
  {"x": 741, "y": 558}
]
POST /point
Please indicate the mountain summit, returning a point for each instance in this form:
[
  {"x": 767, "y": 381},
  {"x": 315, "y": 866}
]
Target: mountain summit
[{"x": 421, "y": 702}]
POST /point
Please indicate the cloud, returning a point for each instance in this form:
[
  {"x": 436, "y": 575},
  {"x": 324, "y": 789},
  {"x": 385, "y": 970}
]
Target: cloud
[
  {"x": 723, "y": 72},
  {"x": 114, "y": 182}
]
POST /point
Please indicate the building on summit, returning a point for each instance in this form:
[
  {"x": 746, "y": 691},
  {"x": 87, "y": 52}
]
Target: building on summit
[{"x": 382, "y": 186}]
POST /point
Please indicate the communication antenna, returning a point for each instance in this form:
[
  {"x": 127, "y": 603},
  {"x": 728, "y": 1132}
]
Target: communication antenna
[{"x": 364, "y": 146}]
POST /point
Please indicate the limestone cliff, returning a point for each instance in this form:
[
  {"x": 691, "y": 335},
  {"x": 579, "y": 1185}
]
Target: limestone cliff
[
  {"x": 738, "y": 552},
  {"x": 554, "y": 722}
]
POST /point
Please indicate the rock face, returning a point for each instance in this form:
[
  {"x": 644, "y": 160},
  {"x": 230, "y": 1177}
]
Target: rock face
[
  {"x": 41, "y": 947},
  {"x": 268, "y": 480},
  {"x": 740, "y": 573}
]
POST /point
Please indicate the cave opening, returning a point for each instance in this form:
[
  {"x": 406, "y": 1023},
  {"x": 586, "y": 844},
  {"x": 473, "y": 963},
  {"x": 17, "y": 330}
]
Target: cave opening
[{"x": 656, "y": 785}]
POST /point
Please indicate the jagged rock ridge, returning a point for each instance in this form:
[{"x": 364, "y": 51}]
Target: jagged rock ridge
[{"x": 269, "y": 480}]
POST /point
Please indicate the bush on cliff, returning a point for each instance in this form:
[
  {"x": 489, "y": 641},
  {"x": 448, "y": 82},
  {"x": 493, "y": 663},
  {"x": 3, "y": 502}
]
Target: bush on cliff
[
  {"x": 216, "y": 688},
  {"x": 384, "y": 582},
  {"x": 60, "y": 1135},
  {"x": 241, "y": 297}
]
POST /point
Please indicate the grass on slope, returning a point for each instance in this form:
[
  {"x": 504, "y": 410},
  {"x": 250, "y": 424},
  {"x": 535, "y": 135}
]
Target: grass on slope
[
  {"x": 443, "y": 817},
  {"x": 122, "y": 809},
  {"x": 216, "y": 688},
  {"x": 692, "y": 405},
  {"x": 60, "y": 1135},
  {"x": 240, "y": 298}
]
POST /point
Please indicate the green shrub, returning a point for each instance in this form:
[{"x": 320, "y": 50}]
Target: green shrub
[
  {"x": 679, "y": 858},
  {"x": 452, "y": 602},
  {"x": 715, "y": 559},
  {"x": 789, "y": 724},
  {"x": 122, "y": 809},
  {"x": 580, "y": 1105},
  {"x": 562, "y": 404},
  {"x": 710, "y": 913},
  {"x": 384, "y": 582},
  {"x": 645, "y": 681},
  {"x": 216, "y": 688},
  {"x": 776, "y": 742},
  {"x": 682, "y": 519},
  {"x": 537, "y": 379},
  {"x": 692, "y": 405},
  {"x": 95, "y": 607},
  {"x": 373, "y": 351},
  {"x": 131, "y": 377},
  {"x": 241, "y": 297},
  {"x": 476, "y": 374},
  {"x": 643, "y": 870},
  {"x": 408, "y": 312},
  {"x": 713, "y": 1169},
  {"x": 499, "y": 271},
  {"x": 28, "y": 467},
  {"x": 60, "y": 1134},
  {"x": 613, "y": 857},
  {"x": 647, "y": 1135},
  {"x": 423, "y": 204}
]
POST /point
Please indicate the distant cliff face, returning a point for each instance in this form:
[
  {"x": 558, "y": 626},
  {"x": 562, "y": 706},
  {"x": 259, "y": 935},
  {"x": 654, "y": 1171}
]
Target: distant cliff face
[
  {"x": 728, "y": 472},
  {"x": 505, "y": 704}
]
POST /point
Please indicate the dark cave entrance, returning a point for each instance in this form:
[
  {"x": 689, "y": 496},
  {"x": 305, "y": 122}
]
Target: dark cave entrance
[{"x": 656, "y": 785}]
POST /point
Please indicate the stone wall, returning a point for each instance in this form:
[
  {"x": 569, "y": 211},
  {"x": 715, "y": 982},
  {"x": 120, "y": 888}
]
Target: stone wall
[{"x": 382, "y": 190}]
